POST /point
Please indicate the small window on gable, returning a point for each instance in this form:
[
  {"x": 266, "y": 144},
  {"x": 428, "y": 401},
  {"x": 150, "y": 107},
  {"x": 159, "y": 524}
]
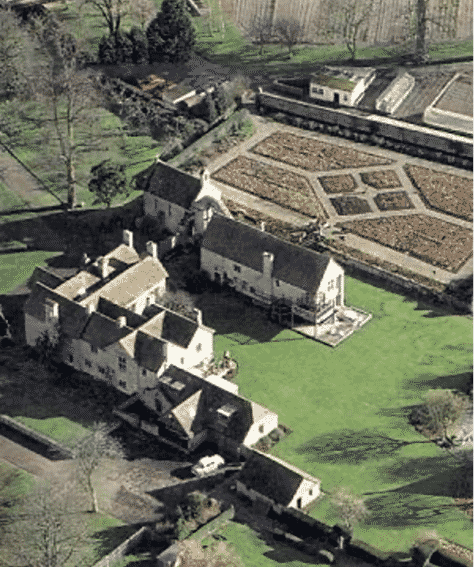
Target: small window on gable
[
  {"x": 252, "y": 290},
  {"x": 88, "y": 363},
  {"x": 101, "y": 369},
  {"x": 277, "y": 283},
  {"x": 70, "y": 358},
  {"x": 169, "y": 210},
  {"x": 261, "y": 428},
  {"x": 123, "y": 384},
  {"x": 182, "y": 361},
  {"x": 144, "y": 372},
  {"x": 122, "y": 363},
  {"x": 199, "y": 347},
  {"x": 94, "y": 349},
  {"x": 237, "y": 268},
  {"x": 244, "y": 285},
  {"x": 311, "y": 492}
]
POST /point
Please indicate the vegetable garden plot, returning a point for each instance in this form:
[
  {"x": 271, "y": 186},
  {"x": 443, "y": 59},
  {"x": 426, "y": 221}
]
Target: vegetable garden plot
[
  {"x": 312, "y": 154},
  {"x": 283, "y": 187},
  {"x": 393, "y": 201},
  {"x": 350, "y": 205},
  {"x": 445, "y": 192},
  {"x": 429, "y": 239},
  {"x": 338, "y": 183},
  {"x": 382, "y": 179}
]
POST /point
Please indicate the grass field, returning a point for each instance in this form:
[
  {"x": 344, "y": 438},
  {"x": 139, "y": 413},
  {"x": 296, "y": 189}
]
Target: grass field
[
  {"x": 15, "y": 269},
  {"x": 255, "y": 552},
  {"x": 348, "y": 406}
]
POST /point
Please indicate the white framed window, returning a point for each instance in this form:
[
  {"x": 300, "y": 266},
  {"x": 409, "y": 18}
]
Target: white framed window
[
  {"x": 122, "y": 363},
  {"x": 123, "y": 384}
]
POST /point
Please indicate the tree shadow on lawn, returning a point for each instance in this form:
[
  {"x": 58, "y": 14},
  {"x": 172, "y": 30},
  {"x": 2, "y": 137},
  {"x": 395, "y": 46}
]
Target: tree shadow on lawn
[
  {"x": 433, "y": 309},
  {"x": 352, "y": 447},
  {"x": 461, "y": 382},
  {"x": 441, "y": 475},
  {"x": 107, "y": 540}
]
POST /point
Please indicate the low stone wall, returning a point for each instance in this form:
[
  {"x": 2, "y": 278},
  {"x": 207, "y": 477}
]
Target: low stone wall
[
  {"x": 44, "y": 439},
  {"x": 392, "y": 97},
  {"x": 123, "y": 548},
  {"x": 400, "y": 283}
]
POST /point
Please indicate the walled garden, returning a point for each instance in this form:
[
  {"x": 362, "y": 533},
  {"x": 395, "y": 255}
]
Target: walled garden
[
  {"x": 442, "y": 191},
  {"x": 279, "y": 185},
  {"x": 344, "y": 183},
  {"x": 393, "y": 201},
  {"x": 350, "y": 205},
  {"x": 429, "y": 239},
  {"x": 314, "y": 155},
  {"x": 382, "y": 179}
]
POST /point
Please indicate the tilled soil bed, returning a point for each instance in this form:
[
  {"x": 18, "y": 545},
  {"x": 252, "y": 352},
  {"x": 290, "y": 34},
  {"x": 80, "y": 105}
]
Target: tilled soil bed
[
  {"x": 445, "y": 192},
  {"x": 429, "y": 239},
  {"x": 393, "y": 201},
  {"x": 312, "y": 154},
  {"x": 382, "y": 179},
  {"x": 283, "y": 187},
  {"x": 350, "y": 205},
  {"x": 338, "y": 183}
]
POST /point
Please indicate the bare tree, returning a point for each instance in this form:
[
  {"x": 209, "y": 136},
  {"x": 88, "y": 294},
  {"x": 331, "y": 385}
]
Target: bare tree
[
  {"x": 89, "y": 453},
  {"x": 259, "y": 31},
  {"x": 349, "y": 20},
  {"x": 350, "y": 509},
  {"x": 112, "y": 11},
  {"x": 192, "y": 554},
  {"x": 67, "y": 93},
  {"x": 290, "y": 32},
  {"x": 441, "y": 409},
  {"x": 142, "y": 11},
  {"x": 46, "y": 531}
]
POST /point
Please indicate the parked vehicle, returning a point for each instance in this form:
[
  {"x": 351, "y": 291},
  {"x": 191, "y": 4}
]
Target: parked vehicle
[{"x": 207, "y": 465}]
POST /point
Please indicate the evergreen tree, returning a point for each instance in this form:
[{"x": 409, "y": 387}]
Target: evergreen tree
[
  {"x": 221, "y": 99},
  {"x": 171, "y": 35},
  {"x": 139, "y": 45},
  {"x": 209, "y": 108},
  {"x": 116, "y": 49},
  {"x": 108, "y": 180}
]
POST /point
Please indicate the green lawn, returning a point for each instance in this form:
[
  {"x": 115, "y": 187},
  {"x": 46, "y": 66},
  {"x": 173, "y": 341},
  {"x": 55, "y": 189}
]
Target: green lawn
[
  {"x": 15, "y": 269},
  {"x": 61, "y": 429},
  {"x": 347, "y": 406},
  {"x": 255, "y": 552}
]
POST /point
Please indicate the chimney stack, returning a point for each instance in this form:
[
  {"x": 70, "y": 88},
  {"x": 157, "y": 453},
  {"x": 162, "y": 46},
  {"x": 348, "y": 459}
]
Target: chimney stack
[
  {"x": 198, "y": 314},
  {"x": 152, "y": 249},
  {"x": 90, "y": 308},
  {"x": 122, "y": 321},
  {"x": 103, "y": 267},
  {"x": 204, "y": 176},
  {"x": 262, "y": 226},
  {"x": 268, "y": 258},
  {"x": 128, "y": 238}
]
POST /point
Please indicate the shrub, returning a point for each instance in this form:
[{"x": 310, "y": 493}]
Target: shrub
[{"x": 139, "y": 43}]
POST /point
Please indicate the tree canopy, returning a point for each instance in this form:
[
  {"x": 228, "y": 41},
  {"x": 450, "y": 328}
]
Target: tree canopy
[
  {"x": 171, "y": 35},
  {"x": 108, "y": 181}
]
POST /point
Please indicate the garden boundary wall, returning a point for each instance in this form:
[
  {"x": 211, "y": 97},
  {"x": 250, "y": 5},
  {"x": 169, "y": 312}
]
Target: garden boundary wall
[
  {"x": 399, "y": 282},
  {"x": 124, "y": 548},
  {"x": 205, "y": 141},
  {"x": 56, "y": 447},
  {"x": 213, "y": 525}
]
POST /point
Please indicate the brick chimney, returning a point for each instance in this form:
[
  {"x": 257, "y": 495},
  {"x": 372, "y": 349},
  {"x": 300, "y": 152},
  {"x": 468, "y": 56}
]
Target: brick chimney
[
  {"x": 204, "y": 176},
  {"x": 90, "y": 308},
  {"x": 268, "y": 258},
  {"x": 121, "y": 321},
  {"x": 152, "y": 249},
  {"x": 262, "y": 226},
  {"x": 128, "y": 238},
  {"x": 198, "y": 314}
]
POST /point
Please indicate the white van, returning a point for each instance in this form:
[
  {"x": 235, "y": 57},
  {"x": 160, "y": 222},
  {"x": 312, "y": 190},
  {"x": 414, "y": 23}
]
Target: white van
[{"x": 207, "y": 465}]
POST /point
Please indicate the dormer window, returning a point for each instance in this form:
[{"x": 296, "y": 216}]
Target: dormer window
[
  {"x": 226, "y": 412},
  {"x": 51, "y": 310}
]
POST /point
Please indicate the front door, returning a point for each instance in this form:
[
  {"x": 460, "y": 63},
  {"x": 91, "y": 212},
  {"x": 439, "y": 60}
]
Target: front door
[
  {"x": 336, "y": 98},
  {"x": 298, "y": 503}
]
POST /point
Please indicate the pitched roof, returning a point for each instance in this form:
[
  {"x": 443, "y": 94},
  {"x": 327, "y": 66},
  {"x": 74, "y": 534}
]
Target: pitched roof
[
  {"x": 114, "y": 311},
  {"x": 173, "y": 185},
  {"x": 81, "y": 281},
  {"x": 273, "y": 477},
  {"x": 206, "y": 405},
  {"x": 170, "y": 326},
  {"x": 130, "y": 284},
  {"x": 72, "y": 316},
  {"x": 101, "y": 331},
  {"x": 245, "y": 244},
  {"x": 150, "y": 352},
  {"x": 45, "y": 277}
]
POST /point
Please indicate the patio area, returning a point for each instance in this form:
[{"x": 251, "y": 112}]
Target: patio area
[{"x": 340, "y": 326}]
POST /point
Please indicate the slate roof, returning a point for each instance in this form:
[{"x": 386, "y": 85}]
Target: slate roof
[
  {"x": 194, "y": 413},
  {"x": 170, "y": 326},
  {"x": 272, "y": 477},
  {"x": 244, "y": 244},
  {"x": 45, "y": 277},
  {"x": 173, "y": 185},
  {"x": 83, "y": 280},
  {"x": 101, "y": 331},
  {"x": 150, "y": 352},
  {"x": 114, "y": 311},
  {"x": 72, "y": 317}
]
